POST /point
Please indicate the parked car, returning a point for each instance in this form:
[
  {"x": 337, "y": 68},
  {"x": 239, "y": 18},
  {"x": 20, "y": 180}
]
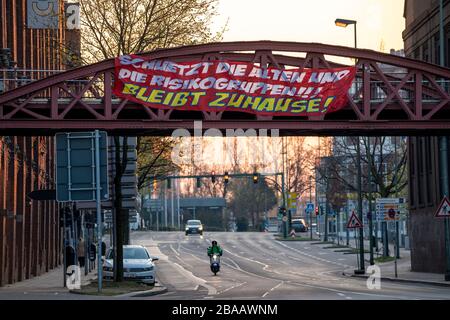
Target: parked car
[
  {"x": 194, "y": 227},
  {"x": 138, "y": 264},
  {"x": 299, "y": 225}
]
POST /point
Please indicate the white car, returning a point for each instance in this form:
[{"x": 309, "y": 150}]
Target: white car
[{"x": 137, "y": 264}]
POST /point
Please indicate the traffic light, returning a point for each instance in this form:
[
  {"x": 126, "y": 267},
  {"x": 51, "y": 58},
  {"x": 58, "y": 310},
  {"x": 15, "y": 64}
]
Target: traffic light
[
  {"x": 226, "y": 177},
  {"x": 255, "y": 177},
  {"x": 283, "y": 211},
  {"x": 317, "y": 211},
  {"x": 155, "y": 184},
  {"x": 213, "y": 177},
  {"x": 169, "y": 184},
  {"x": 198, "y": 183}
]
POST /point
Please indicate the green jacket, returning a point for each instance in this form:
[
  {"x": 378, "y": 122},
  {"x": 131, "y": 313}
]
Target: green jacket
[{"x": 215, "y": 249}]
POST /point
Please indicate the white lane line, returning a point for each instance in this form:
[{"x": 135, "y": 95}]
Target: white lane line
[
  {"x": 274, "y": 288},
  {"x": 199, "y": 281},
  {"x": 233, "y": 287},
  {"x": 305, "y": 254},
  {"x": 174, "y": 250}
]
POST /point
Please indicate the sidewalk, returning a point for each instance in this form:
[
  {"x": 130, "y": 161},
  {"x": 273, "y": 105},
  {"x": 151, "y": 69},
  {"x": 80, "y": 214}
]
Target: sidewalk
[
  {"x": 50, "y": 282},
  {"x": 404, "y": 273}
]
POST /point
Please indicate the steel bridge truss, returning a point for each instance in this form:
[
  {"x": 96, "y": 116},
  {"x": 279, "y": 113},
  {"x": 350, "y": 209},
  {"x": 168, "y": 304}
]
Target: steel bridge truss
[{"x": 390, "y": 95}]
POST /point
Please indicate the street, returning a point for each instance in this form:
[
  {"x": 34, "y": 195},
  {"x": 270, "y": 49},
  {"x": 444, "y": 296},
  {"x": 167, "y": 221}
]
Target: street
[{"x": 255, "y": 266}]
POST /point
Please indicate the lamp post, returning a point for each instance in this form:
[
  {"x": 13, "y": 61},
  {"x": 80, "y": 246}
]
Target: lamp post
[{"x": 344, "y": 23}]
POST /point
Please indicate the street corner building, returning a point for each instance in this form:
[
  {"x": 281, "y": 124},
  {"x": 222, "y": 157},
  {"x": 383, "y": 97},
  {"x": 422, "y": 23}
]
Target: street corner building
[
  {"x": 35, "y": 43},
  {"x": 422, "y": 42},
  {"x": 30, "y": 234}
]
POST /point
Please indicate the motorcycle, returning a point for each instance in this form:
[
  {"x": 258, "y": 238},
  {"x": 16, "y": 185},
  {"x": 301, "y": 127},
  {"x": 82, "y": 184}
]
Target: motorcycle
[{"x": 215, "y": 263}]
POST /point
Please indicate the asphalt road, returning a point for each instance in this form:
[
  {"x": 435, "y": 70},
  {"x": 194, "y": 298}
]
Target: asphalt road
[{"x": 255, "y": 266}]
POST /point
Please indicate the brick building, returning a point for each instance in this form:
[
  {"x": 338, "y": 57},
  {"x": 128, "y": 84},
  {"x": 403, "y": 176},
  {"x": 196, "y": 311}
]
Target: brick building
[{"x": 30, "y": 233}]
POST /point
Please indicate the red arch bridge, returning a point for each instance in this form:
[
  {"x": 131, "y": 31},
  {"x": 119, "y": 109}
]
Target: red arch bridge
[{"x": 390, "y": 95}]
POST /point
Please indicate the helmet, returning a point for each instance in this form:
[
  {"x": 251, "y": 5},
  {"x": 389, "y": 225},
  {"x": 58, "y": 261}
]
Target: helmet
[{"x": 214, "y": 243}]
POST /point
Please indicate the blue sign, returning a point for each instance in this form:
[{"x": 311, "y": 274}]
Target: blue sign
[
  {"x": 310, "y": 207},
  {"x": 75, "y": 166}
]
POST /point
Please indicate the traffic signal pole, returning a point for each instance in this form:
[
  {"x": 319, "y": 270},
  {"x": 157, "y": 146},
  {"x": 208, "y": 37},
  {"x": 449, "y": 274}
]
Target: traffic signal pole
[{"x": 361, "y": 269}]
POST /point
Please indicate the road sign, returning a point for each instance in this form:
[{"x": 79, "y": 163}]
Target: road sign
[
  {"x": 284, "y": 218},
  {"x": 354, "y": 222},
  {"x": 292, "y": 200},
  {"x": 444, "y": 209},
  {"x": 310, "y": 207},
  {"x": 76, "y": 167},
  {"x": 42, "y": 195},
  {"x": 390, "y": 208}
]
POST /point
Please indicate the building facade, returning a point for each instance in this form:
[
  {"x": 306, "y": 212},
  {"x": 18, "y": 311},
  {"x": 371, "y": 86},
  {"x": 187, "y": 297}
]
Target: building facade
[
  {"x": 421, "y": 40},
  {"x": 30, "y": 233}
]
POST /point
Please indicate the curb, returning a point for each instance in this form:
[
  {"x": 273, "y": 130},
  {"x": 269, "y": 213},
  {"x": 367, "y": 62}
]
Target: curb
[
  {"x": 433, "y": 283},
  {"x": 147, "y": 293}
]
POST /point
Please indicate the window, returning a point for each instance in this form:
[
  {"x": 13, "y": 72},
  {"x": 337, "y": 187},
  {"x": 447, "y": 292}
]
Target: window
[{"x": 425, "y": 52}]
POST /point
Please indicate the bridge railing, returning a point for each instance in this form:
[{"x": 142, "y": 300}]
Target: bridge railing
[{"x": 14, "y": 78}]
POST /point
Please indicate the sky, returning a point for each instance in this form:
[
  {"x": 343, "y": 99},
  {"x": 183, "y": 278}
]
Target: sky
[
  {"x": 313, "y": 21},
  {"x": 379, "y": 22}
]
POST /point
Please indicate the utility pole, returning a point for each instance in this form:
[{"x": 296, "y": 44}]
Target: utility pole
[
  {"x": 165, "y": 204},
  {"x": 178, "y": 203},
  {"x": 325, "y": 238},
  {"x": 369, "y": 181},
  {"x": 172, "y": 207},
  {"x": 360, "y": 213},
  {"x": 310, "y": 212}
]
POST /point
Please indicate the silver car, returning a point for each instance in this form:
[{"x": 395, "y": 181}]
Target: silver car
[{"x": 137, "y": 264}]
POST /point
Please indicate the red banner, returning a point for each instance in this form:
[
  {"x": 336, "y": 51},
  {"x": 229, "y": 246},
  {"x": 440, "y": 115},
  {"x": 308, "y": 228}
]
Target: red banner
[{"x": 230, "y": 85}]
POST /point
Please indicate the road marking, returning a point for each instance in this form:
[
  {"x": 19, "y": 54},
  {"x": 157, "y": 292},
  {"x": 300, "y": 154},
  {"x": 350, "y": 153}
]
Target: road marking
[
  {"x": 200, "y": 281},
  {"x": 233, "y": 287},
  {"x": 174, "y": 250},
  {"x": 265, "y": 294}
]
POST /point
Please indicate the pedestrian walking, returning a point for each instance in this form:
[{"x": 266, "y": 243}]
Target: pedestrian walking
[{"x": 81, "y": 252}]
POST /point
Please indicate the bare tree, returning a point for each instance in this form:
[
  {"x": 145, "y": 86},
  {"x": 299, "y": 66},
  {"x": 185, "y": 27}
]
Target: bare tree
[
  {"x": 387, "y": 167},
  {"x": 110, "y": 28}
]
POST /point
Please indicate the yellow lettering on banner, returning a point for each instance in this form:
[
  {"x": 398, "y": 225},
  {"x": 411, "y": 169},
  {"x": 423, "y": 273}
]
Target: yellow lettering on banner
[
  {"x": 130, "y": 89},
  {"x": 253, "y": 102},
  {"x": 180, "y": 99},
  {"x": 283, "y": 105},
  {"x": 313, "y": 105},
  {"x": 219, "y": 102},
  {"x": 267, "y": 104},
  {"x": 196, "y": 97},
  {"x": 140, "y": 94},
  {"x": 299, "y": 106},
  {"x": 236, "y": 100},
  {"x": 167, "y": 98},
  {"x": 156, "y": 96}
]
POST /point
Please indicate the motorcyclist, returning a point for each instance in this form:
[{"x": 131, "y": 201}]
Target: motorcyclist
[{"x": 214, "y": 249}]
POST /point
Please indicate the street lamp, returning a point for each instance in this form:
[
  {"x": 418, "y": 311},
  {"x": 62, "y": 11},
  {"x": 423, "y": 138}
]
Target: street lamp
[{"x": 344, "y": 23}]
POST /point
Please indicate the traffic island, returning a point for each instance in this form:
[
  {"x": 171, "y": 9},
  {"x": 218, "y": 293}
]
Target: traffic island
[
  {"x": 280, "y": 238},
  {"x": 111, "y": 288}
]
